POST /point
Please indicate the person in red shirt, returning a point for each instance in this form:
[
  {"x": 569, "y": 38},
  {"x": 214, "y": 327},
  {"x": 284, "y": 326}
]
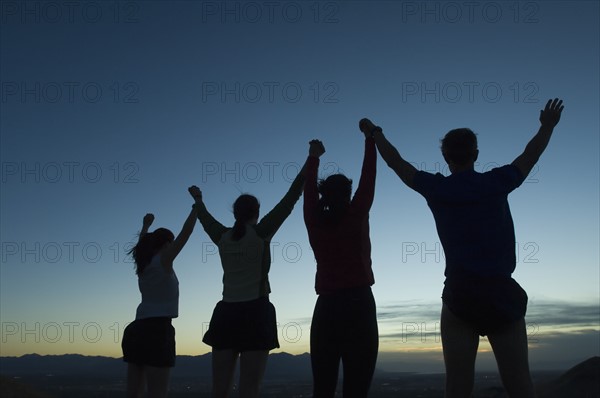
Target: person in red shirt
[{"x": 344, "y": 323}]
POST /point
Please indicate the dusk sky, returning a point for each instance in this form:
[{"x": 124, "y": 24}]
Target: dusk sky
[{"x": 110, "y": 110}]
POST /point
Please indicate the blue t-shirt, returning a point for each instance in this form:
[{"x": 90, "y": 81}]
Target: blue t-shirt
[{"x": 473, "y": 219}]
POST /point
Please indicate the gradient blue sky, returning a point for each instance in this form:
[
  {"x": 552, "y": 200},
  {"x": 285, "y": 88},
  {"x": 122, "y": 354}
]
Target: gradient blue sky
[{"x": 110, "y": 110}]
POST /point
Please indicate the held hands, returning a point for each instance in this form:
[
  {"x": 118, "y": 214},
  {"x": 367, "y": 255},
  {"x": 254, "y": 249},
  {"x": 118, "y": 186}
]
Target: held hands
[
  {"x": 148, "y": 220},
  {"x": 316, "y": 148},
  {"x": 367, "y": 127},
  {"x": 550, "y": 116},
  {"x": 195, "y": 192}
]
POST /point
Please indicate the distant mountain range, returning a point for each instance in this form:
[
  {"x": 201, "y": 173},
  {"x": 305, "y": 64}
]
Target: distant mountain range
[
  {"x": 281, "y": 366},
  {"x": 581, "y": 381}
]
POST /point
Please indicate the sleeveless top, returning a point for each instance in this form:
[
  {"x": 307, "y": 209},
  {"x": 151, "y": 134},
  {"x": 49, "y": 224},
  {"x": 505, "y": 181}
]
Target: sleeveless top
[{"x": 160, "y": 292}]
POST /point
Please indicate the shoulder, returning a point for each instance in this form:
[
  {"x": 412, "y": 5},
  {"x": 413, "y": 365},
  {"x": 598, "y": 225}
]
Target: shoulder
[
  {"x": 425, "y": 175},
  {"x": 508, "y": 175},
  {"x": 424, "y": 180}
]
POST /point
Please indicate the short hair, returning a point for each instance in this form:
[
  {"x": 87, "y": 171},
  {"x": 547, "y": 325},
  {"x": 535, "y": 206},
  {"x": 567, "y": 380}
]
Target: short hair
[{"x": 460, "y": 146}]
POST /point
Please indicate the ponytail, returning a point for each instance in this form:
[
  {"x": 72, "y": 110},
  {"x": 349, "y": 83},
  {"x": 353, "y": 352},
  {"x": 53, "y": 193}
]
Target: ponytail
[
  {"x": 238, "y": 230},
  {"x": 245, "y": 208}
]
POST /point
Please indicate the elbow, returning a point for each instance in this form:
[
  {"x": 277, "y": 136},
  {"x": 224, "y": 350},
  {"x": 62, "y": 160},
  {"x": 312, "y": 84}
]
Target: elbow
[{"x": 393, "y": 164}]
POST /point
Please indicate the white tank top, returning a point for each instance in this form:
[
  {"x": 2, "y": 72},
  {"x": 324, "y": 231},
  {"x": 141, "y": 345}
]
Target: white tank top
[{"x": 160, "y": 292}]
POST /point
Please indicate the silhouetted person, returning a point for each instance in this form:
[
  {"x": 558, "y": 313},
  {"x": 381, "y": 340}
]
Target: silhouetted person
[
  {"x": 344, "y": 323},
  {"x": 243, "y": 323},
  {"x": 149, "y": 341},
  {"x": 475, "y": 227}
]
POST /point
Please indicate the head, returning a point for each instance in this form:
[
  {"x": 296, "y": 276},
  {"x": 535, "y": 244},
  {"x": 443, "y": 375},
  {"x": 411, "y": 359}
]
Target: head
[
  {"x": 459, "y": 147},
  {"x": 245, "y": 211},
  {"x": 336, "y": 191},
  {"x": 148, "y": 246}
]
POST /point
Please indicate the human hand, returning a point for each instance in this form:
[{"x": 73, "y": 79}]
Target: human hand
[
  {"x": 550, "y": 116},
  {"x": 148, "y": 219},
  {"x": 367, "y": 127},
  {"x": 316, "y": 148},
  {"x": 195, "y": 192}
]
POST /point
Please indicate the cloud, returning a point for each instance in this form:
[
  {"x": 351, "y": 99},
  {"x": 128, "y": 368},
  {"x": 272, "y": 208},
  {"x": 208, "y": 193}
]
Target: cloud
[
  {"x": 561, "y": 334},
  {"x": 562, "y": 314},
  {"x": 412, "y": 311},
  {"x": 543, "y": 312}
]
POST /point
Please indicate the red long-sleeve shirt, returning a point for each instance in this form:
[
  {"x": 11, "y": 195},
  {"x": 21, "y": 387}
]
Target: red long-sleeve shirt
[{"x": 342, "y": 250}]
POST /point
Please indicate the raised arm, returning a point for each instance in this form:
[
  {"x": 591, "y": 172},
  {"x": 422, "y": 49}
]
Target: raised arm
[
  {"x": 173, "y": 250},
  {"x": 146, "y": 223},
  {"x": 389, "y": 153},
  {"x": 549, "y": 118},
  {"x": 213, "y": 228},
  {"x": 311, "y": 193},
  {"x": 363, "y": 198},
  {"x": 270, "y": 223}
]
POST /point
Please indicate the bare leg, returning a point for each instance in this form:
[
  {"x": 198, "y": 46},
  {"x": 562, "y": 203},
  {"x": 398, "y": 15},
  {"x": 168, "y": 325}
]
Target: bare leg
[
  {"x": 460, "y": 343},
  {"x": 510, "y": 350},
  {"x": 158, "y": 381},
  {"x": 252, "y": 370},
  {"x": 223, "y": 368},
  {"x": 135, "y": 380}
]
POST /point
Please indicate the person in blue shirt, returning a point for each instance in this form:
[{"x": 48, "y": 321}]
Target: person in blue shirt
[{"x": 475, "y": 227}]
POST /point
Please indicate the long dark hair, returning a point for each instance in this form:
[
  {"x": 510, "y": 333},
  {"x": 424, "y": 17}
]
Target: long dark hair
[
  {"x": 335, "y": 193},
  {"x": 245, "y": 208},
  {"x": 148, "y": 246}
]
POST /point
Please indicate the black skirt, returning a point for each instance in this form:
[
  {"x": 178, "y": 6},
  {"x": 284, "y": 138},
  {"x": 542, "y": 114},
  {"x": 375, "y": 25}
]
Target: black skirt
[
  {"x": 243, "y": 326},
  {"x": 149, "y": 341}
]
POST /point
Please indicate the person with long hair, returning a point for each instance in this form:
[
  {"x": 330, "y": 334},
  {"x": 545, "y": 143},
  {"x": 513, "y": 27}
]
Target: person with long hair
[
  {"x": 476, "y": 229},
  {"x": 149, "y": 341},
  {"x": 243, "y": 324},
  {"x": 344, "y": 324}
]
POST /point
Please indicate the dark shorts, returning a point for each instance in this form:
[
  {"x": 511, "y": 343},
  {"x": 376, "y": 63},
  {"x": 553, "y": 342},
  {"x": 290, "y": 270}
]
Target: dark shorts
[
  {"x": 149, "y": 341},
  {"x": 243, "y": 326},
  {"x": 488, "y": 304}
]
